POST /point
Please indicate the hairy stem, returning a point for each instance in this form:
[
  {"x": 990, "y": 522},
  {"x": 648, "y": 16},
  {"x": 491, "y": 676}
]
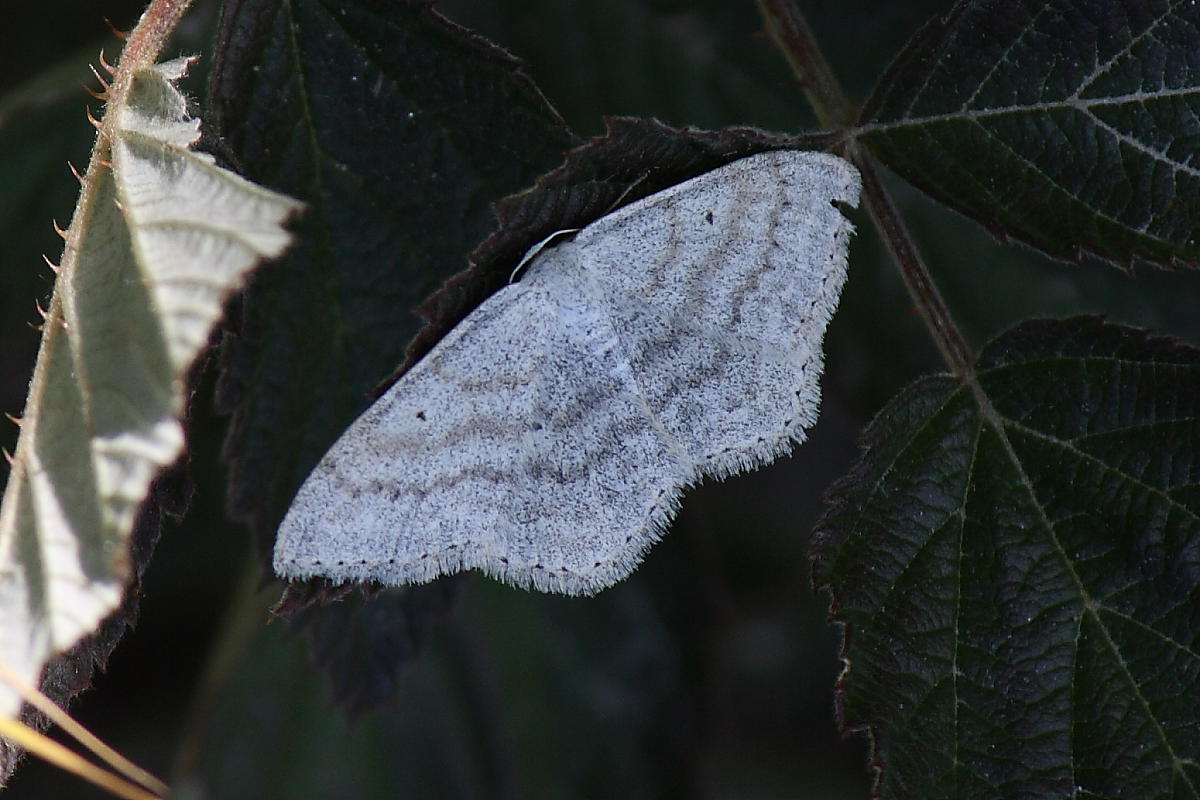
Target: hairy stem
[
  {"x": 790, "y": 31},
  {"x": 142, "y": 47},
  {"x": 921, "y": 288},
  {"x": 149, "y": 36}
]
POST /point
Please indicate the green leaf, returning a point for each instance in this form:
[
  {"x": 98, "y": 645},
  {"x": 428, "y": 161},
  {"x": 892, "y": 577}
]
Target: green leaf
[
  {"x": 1070, "y": 125},
  {"x": 159, "y": 238},
  {"x": 1017, "y": 567},
  {"x": 398, "y": 129}
]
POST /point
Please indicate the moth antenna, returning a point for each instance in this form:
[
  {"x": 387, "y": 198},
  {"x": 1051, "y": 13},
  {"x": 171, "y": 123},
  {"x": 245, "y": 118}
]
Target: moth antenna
[
  {"x": 58, "y": 230},
  {"x": 109, "y": 68},
  {"x": 120, "y": 34},
  {"x": 53, "y": 267},
  {"x": 75, "y": 172},
  {"x": 15, "y": 420}
]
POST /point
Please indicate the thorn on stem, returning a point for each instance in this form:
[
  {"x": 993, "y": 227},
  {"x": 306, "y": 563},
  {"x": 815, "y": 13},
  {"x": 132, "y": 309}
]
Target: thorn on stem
[
  {"x": 75, "y": 172},
  {"x": 95, "y": 122},
  {"x": 95, "y": 72},
  {"x": 109, "y": 68},
  {"x": 120, "y": 34},
  {"x": 8, "y": 457},
  {"x": 53, "y": 267},
  {"x": 41, "y": 311},
  {"x": 94, "y": 93},
  {"x": 15, "y": 420},
  {"x": 62, "y": 234}
]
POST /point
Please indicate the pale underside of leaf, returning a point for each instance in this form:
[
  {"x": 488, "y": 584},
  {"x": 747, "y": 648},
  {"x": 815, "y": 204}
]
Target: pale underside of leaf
[{"x": 158, "y": 241}]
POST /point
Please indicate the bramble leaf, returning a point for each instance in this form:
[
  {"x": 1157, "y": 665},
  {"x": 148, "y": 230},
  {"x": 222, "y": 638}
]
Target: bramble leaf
[
  {"x": 398, "y": 129},
  {"x": 1070, "y": 125},
  {"x": 1016, "y": 564},
  {"x": 160, "y": 237}
]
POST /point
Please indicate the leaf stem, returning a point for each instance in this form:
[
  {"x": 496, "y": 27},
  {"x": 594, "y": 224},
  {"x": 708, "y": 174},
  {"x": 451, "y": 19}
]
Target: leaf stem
[
  {"x": 791, "y": 33},
  {"x": 150, "y": 34},
  {"x": 789, "y": 29},
  {"x": 142, "y": 47},
  {"x": 899, "y": 242}
]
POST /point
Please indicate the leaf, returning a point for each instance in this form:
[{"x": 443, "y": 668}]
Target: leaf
[
  {"x": 156, "y": 244},
  {"x": 1070, "y": 125},
  {"x": 398, "y": 129},
  {"x": 1017, "y": 567},
  {"x": 703, "y": 64},
  {"x": 361, "y": 644}
]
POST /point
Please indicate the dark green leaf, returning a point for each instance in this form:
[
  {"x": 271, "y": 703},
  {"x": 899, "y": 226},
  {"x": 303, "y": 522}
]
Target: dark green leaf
[
  {"x": 1070, "y": 124},
  {"x": 1017, "y": 567},
  {"x": 702, "y": 63},
  {"x": 399, "y": 130},
  {"x": 362, "y": 645}
]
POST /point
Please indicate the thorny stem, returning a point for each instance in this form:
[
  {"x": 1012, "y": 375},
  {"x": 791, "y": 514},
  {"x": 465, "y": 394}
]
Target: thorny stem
[
  {"x": 790, "y": 31},
  {"x": 142, "y": 48},
  {"x": 145, "y": 42}
]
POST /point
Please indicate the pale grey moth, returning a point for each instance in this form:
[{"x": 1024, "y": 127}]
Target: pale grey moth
[{"x": 546, "y": 440}]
